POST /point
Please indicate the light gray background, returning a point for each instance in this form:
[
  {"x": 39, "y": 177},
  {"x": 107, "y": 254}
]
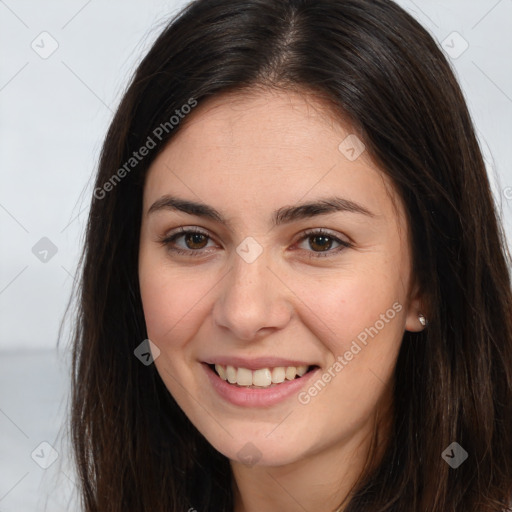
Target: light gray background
[{"x": 53, "y": 116}]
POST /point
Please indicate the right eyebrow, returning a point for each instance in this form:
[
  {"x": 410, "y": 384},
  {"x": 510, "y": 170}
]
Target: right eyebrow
[{"x": 191, "y": 207}]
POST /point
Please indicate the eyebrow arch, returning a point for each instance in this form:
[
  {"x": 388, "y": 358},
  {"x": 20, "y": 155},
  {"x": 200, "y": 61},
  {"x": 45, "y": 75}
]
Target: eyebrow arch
[{"x": 284, "y": 215}]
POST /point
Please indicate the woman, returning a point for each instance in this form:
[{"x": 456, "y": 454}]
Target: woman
[{"x": 295, "y": 292}]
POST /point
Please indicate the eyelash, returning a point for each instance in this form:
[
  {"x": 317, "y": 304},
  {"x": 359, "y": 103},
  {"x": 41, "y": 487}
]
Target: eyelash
[{"x": 167, "y": 240}]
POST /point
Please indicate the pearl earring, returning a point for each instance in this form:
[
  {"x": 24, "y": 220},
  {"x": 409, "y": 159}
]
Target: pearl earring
[{"x": 423, "y": 320}]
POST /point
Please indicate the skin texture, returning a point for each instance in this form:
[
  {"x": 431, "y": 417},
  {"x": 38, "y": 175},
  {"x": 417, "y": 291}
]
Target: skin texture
[{"x": 247, "y": 155}]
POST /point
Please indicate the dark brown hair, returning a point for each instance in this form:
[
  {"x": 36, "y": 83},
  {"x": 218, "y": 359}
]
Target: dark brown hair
[{"x": 135, "y": 449}]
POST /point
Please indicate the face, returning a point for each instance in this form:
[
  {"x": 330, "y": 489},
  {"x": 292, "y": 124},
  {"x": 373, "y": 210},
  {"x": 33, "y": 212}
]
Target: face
[{"x": 270, "y": 247}]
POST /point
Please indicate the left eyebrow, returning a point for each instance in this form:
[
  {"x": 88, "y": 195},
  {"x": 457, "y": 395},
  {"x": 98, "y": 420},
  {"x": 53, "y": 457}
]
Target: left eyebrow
[
  {"x": 284, "y": 215},
  {"x": 320, "y": 207}
]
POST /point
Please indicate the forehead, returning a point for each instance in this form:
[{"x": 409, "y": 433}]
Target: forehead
[
  {"x": 280, "y": 121},
  {"x": 265, "y": 148}
]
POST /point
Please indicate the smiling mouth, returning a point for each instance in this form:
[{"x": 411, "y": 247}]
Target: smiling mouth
[{"x": 261, "y": 378}]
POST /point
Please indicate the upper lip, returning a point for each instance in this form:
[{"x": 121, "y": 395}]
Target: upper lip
[{"x": 255, "y": 363}]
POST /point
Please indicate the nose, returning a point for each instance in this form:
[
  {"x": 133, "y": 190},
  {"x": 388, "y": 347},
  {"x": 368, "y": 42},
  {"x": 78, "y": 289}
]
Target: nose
[{"x": 252, "y": 301}]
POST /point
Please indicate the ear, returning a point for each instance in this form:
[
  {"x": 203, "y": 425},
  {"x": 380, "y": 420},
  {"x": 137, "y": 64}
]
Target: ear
[{"x": 416, "y": 307}]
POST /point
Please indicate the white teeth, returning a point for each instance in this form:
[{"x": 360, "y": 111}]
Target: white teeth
[
  {"x": 231, "y": 374},
  {"x": 244, "y": 377},
  {"x": 220, "y": 370},
  {"x": 301, "y": 370},
  {"x": 278, "y": 374},
  {"x": 263, "y": 378},
  {"x": 290, "y": 373}
]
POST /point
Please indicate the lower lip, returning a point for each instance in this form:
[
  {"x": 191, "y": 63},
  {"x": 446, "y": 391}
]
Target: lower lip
[{"x": 251, "y": 397}]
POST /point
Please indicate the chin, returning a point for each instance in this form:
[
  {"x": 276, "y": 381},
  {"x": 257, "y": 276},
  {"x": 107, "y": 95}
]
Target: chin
[{"x": 257, "y": 450}]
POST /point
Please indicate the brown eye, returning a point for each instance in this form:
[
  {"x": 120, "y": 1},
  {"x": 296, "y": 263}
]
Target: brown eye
[
  {"x": 320, "y": 242},
  {"x": 195, "y": 240},
  {"x": 188, "y": 242}
]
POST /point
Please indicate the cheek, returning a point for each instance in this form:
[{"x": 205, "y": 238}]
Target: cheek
[
  {"x": 360, "y": 316},
  {"x": 172, "y": 302},
  {"x": 360, "y": 322},
  {"x": 349, "y": 303}
]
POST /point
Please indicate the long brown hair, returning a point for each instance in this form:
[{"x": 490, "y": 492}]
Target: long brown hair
[{"x": 135, "y": 450}]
